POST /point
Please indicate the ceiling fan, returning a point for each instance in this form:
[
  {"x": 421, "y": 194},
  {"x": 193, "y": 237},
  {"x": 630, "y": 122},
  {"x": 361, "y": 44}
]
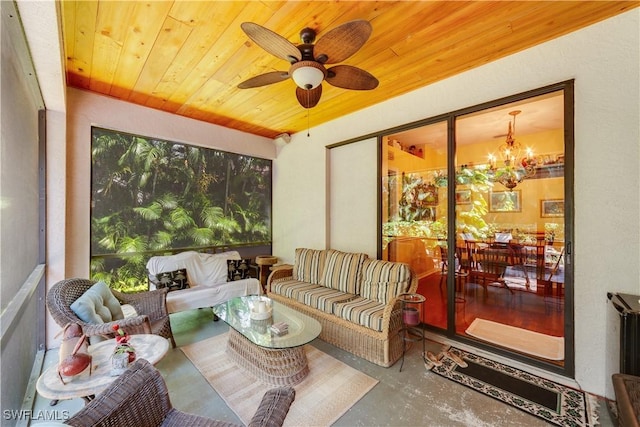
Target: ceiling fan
[{"x": 308, "y": 60}]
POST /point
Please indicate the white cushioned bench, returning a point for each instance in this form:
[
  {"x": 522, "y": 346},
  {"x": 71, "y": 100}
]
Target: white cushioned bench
[{"x": 207, "y": 275}]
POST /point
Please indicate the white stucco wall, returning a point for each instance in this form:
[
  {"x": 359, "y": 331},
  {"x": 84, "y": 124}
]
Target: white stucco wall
[{"x": 604, "y": 61}]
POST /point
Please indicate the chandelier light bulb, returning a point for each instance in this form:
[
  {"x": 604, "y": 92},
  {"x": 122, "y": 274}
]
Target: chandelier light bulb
[{"x": 515, "y": 170}]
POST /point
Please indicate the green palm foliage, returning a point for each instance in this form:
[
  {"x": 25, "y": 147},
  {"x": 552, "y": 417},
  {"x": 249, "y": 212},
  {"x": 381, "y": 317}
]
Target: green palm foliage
[{"x": 150, "y": 195}]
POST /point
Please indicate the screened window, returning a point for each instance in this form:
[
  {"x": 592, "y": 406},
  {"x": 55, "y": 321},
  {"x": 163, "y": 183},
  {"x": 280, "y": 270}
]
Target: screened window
[{"x": 150, "y": 196}]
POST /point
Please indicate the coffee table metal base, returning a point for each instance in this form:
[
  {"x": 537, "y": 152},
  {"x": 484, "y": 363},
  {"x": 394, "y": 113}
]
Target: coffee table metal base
[{"x": 287, "y": 366}]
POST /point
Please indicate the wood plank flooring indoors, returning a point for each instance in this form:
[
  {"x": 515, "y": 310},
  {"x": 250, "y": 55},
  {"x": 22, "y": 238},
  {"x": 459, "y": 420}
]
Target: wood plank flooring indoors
[{"x": 519, "y": 307}]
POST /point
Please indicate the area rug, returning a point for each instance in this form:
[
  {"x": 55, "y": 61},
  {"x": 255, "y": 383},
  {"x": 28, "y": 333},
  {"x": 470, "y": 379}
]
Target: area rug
[
  {"x": 522, "y": 340},
  {"x": 330, "y": 389},
  {"x": 555, "y": 403}
]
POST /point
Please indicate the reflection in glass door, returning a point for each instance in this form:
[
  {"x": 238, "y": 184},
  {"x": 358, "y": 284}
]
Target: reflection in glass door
[
  {"x": 414, "y": 215},
  {"x": 510, "y": 226},
  {"x": 488, "y": 242}
]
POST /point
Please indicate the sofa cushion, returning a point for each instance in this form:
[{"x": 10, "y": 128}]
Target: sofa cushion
[
  {"x": 323, "y": 298},
  {"x": 238, "y": 269},
  {"x": 361, "y": 311},
  {"x": 174, "y": 280},
  {"x": 342, "y": 271},
  {"x": 97, "y": 305},
  {"x": 208, "y": 296},
  {"x": 290, "y": 288},
  {"x": 308, "y": 265},
  {"x": 384, "y": 280}
]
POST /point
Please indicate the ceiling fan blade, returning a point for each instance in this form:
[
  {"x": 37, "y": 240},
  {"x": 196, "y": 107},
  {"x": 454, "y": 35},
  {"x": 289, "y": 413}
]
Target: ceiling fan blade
[
  {"x": 273, "y": 43},
  {"x": 309, "y": 98},
  {"x": 348, "y": 77},
  {"x": 264, "y": 79},
  {"x": 342, "y": 42}
]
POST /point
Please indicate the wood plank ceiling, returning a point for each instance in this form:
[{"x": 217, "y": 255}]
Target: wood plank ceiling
[{"x": 187, "y": 57}]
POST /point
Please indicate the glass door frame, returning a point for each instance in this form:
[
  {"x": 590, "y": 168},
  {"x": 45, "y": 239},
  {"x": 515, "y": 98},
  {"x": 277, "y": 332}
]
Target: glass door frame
[{"x": 567, "y": 87}]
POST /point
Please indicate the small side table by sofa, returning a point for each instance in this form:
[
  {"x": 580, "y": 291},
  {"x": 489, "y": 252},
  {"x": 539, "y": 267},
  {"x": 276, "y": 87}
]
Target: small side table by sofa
[
  {"x": 265, "y": 262},
  {"x": 410, "y": 331}
]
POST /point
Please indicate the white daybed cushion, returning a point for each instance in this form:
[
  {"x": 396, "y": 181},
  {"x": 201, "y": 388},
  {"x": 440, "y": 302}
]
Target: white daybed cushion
[
  {"x": 208, "y": 296},
  {"x": 202, "y": 269}
]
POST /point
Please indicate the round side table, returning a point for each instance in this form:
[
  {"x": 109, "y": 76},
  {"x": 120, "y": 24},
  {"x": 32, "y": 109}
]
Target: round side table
[
  {"x": 411, "y": 331},
  {"x": 265, "y": 262}
]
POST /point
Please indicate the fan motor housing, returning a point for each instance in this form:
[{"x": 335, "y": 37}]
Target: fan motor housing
[{"x": 307, "y": 35}]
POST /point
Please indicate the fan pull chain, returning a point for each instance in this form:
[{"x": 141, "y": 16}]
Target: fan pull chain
[{"x": 308, "y": 114}]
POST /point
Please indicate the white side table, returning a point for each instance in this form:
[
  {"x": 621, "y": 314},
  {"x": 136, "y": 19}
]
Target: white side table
[{"x": 86, "y": 385}]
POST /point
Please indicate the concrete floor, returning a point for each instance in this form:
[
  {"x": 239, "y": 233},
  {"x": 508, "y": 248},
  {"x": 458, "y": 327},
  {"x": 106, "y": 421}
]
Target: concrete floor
[{"x": 413, "y": 397}]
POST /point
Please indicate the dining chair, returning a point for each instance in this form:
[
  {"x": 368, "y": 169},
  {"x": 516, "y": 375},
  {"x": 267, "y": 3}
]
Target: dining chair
[
  {"x": 460, "y": 268},
  {"x": 547, "y": 285},
  {"x": 491, "y": 263}
]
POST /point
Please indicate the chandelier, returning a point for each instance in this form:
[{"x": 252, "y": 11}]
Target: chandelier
[{"x": 515, "y": 167}]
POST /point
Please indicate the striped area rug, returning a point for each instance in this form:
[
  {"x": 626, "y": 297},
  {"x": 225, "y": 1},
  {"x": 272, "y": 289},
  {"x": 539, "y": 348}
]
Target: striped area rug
[{"x": 330, "y": 389}]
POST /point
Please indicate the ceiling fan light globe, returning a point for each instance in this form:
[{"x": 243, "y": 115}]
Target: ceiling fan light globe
[{"x": 307, "y": 74}]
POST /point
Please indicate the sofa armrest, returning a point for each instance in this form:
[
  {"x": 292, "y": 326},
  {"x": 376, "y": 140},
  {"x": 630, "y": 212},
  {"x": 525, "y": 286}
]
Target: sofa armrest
[
  {"x": 151, "y": 303},
  {"x": 133, "y": 325},
  {"x": 279, "y": 272},
  {"x": 388, "y": 322}
]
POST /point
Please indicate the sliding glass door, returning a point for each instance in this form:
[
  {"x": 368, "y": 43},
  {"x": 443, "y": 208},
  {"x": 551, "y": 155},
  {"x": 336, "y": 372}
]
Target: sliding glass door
[
  {"x": 415, "y": 210},
  {"x": 477, "y": 203}
]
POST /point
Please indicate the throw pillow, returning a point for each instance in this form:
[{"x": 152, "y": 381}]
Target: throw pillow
[
  {"x": 238, "y": 269},
  {"x": 384, "y": 280},
  {"x": 341, "y": 271},
  {"x": 174, "y": 280},
  {"x": 308, "y": 265},
  {"x": 97, "y": 305}
]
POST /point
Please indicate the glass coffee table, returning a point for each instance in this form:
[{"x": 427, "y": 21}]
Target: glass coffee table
[{"x": 277, "y": 360}]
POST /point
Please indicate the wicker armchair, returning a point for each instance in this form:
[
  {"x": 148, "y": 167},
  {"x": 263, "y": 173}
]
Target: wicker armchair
[
  {"x": 151, "y": 307},
  {"x": 139, "y": 397}
]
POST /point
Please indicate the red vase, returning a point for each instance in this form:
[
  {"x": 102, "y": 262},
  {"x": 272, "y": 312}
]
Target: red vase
[{"x": 132, "y": 356}]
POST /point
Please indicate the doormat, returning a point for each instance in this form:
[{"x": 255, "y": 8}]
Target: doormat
[
  {"x": 522, "y": 340},
  {"x": 553, "y": 402}
]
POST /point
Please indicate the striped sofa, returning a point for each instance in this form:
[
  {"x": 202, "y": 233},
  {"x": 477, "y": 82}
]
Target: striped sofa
[{"x": 352, "y": 296}]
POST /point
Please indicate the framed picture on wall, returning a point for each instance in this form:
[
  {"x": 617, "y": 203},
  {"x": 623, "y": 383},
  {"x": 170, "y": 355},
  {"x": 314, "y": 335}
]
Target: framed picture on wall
[
  {"x": 551, "y": 208},
  {"x": 463, "y": 197},
  {"x": 505, "y": 201}
]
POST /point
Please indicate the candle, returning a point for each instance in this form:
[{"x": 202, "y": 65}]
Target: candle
[
  {"x": 262, "y": 307},
  {"x": 411, "y": 316}
]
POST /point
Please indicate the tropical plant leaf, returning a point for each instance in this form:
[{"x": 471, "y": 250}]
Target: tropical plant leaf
[
  {"x": 154, "y": 194},
  {"x": 151, "y": 212}
]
